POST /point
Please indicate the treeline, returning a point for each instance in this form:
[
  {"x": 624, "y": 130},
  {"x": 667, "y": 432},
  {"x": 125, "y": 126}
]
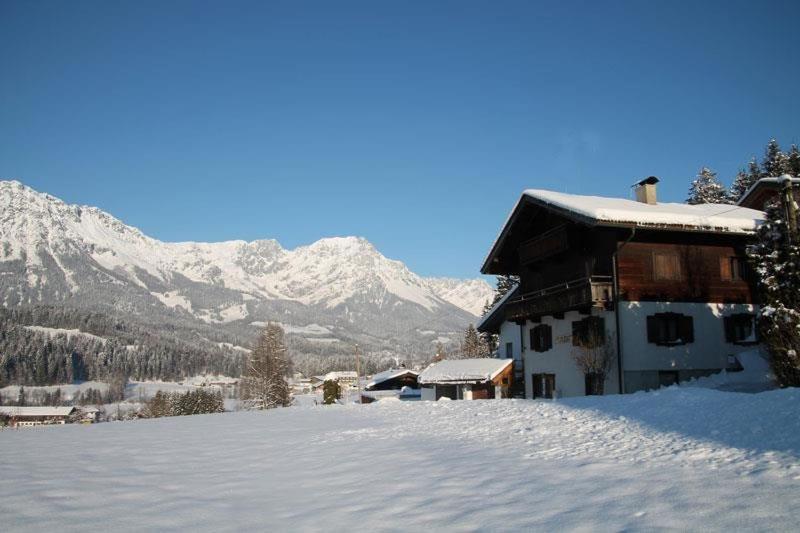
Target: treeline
[
  {"x": 193, "y": 402},
  {"x": 706, "y": 188},
  {"x": 124, "y": 351}
]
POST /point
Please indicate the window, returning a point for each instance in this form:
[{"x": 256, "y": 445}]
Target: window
[
  {"x": 666, "y": 267},
  {"x": 509, "y": 350},
  {"x": 541, "y": 338},
  {"x": 733, "y": 269},
  {"x": 589, "y": 332},
  {"x": 667, "y": 329},
  {"x": 740, "y": 328}
]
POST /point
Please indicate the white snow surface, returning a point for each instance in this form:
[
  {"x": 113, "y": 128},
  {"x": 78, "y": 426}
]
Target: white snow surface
[
  {"x": 455, "y": 370},
  {"x": 713, "y": 217},
  {"x": 677, "y": 459},
  {"x": 69, "y": 333}
]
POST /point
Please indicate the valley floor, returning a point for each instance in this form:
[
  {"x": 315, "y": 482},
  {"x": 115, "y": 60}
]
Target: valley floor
[{"x": 680, "y": 458}]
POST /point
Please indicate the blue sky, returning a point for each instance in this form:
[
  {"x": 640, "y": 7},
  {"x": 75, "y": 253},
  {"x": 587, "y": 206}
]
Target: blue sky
[{"x": 413, "y": 124}]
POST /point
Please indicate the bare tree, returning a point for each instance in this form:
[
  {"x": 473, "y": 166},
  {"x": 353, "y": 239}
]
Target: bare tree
[
  {"x": 595, "y": 356},
  {"x": 264, "y": 384}
]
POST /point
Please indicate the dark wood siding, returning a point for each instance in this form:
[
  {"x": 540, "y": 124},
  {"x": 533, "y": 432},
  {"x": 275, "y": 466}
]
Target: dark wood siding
[{"x": 702, "y": 274}]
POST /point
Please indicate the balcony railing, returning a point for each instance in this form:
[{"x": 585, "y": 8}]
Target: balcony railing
[{"x": 569, "y": 296}]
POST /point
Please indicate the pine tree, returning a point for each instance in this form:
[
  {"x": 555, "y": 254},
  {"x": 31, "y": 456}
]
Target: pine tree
[
  {"x": 744, "y": 180},
  {"x": 331, "y": 391},
  {"x": 706, "y": 189},
  {"x": 264, "y": 384},
  {"x": 21, "y": 398},
  {"x": 776, "y": 259},
  {"x": 473, "y": 346},
  {"x": 793, "y": 161},
  {"x": 775, "y": 163},
  {"x": 504, "y": 284}
]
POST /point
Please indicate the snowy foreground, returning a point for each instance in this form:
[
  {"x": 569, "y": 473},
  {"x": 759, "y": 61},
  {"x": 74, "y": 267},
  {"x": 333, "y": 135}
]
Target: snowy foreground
[{"x": 681, "y": 458}]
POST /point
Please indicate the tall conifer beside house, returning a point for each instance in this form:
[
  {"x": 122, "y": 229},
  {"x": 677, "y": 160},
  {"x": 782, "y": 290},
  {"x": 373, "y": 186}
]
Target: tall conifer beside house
[
  {"x": 706, "y": 189},
  {"x": 473, "y": 345},
  {"x": 776, "y": 163},
  {"x": 264, "y": 384},
  {"x": 776, "y": 258},
  {"x": 744, "y": 180},
  {"x": 793, "y": 160}
]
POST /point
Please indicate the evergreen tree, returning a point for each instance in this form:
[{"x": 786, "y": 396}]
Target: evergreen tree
[
  {"x": 793, "y": 161},
  {"x": 264, "y": 384},
  {"x": 473, "y": 346},
  {"x": 504, "y": 284},
  {"x": 21, "y": 399},
  {"x": 776, "y": 259},
  {"x": 331, "y": 391},
  {"x": 775, "y": 163},
  {"x": 706, "y": 189},
  {"x": 744, "y": 180}
]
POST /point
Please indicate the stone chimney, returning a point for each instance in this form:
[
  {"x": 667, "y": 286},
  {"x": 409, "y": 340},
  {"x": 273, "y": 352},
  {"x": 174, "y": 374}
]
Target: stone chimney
[{"x": 646, "y": 190}]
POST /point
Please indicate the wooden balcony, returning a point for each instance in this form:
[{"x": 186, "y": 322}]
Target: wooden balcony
[{"x": 578, "y": 294}]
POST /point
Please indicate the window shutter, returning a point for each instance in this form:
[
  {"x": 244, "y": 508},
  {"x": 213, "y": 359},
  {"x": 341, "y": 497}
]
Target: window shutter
[
  {"x": 548, "y": 337},
  {"x": 652, "y": 329},
  {"x": 576, "y": 333},
  {"x": 686, "y": 328},
  {"x": 533, "y": 339},
  {"x": 725, "y": 268},
  {"x": 728, "y": 322}
]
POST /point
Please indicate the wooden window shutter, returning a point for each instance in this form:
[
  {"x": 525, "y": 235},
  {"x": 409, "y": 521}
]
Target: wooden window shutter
[
  {"x": 652, "y": 329},
  {"x": 533, "y": 339},
  {"x": 725, "y": 271},
  {"x": 549, "y": 337},
  {"x": 686, "y": 328}
]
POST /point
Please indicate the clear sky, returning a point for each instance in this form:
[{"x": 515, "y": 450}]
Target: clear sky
[{"x": 413, "y": 124}]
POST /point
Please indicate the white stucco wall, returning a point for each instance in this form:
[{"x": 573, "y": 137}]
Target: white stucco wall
[
  {"x": 428, "y": 393},
  {"x": 709, "y": 351},
  {"x": 558, "y": 360},
  {"x": 509, "y": 332}
]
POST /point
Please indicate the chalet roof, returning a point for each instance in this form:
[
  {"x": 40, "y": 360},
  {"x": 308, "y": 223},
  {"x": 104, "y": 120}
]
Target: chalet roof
[
  {"x": 494, "y": 317},
  {"x": 36, "y": 411},
  {"x": 346, "y": 374},
  {"x": 621, "y": 212},
  {"x": 765, "y": 184},
  {"x": 386, "y": 375},
  {"x": 463, "y": 370}
]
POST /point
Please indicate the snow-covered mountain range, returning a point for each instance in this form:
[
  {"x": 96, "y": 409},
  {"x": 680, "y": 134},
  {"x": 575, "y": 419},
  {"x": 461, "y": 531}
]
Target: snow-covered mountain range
[{"x": 336, "y": 289}]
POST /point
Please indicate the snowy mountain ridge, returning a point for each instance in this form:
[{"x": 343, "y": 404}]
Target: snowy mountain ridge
[{"x": 51, "y": 251}]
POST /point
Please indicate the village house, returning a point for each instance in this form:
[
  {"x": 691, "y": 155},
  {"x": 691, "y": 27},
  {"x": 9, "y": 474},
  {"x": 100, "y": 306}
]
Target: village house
[
  {"x": 346, "y": 379},
  {"x": 467, "y": 379},
  {"x": 663, "y": 289},
  {"x": 395, "y": 383},
  {"x": 38, "y": 416}
]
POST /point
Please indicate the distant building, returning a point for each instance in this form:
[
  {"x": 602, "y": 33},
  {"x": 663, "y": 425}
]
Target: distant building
[
  {"x": 393, "y": 379},
  {"x": 345, "y": 379},
  {"x": 467, "y": 379},
  {"x": 38, "y": 416}
]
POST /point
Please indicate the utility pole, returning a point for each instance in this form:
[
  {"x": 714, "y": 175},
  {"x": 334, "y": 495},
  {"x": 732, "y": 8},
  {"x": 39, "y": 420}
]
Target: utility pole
[
  {"x": 789, "y": 207},
  {"x": 358, "y": 375}
]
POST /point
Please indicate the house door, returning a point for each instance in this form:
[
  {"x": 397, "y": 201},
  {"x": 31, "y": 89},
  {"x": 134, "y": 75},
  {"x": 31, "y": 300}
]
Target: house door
[{"x": 544, "y": 385}]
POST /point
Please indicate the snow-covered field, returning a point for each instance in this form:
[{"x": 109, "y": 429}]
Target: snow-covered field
[{"x": 680, "y": 458}]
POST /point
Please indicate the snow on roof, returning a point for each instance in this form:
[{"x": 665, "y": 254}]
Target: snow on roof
[
  {"x": 463, "y": 370},
  {"x": 621, "y": 211},
  {"x": 605, "y": 211},
  {"x": 386, "y": 375},
  {"x": 767, "y": 182},
  {"x": 36, "y": 411},
  {"x": 347, "y": 374}
]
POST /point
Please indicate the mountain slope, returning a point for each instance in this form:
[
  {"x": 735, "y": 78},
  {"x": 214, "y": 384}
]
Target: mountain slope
[{"x": 55, "y": 253}]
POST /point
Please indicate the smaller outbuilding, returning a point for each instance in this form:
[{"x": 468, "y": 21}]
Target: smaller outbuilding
[
  {"x": 467, "y": 379},
  {"x": 393, "y": 379}
]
